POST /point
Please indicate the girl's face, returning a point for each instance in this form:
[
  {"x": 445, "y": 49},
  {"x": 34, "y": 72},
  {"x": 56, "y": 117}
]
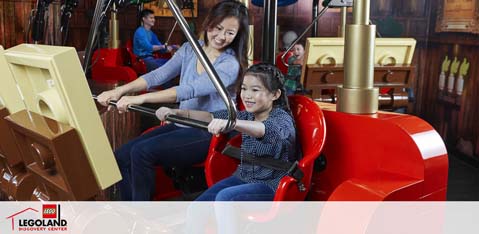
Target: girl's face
[
  {"x": 221, "y": 35},
  {"x": 256, "y": 98}
]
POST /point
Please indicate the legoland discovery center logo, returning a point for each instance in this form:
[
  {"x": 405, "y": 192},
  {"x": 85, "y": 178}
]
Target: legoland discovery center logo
[{"x": 50, "y": 220}]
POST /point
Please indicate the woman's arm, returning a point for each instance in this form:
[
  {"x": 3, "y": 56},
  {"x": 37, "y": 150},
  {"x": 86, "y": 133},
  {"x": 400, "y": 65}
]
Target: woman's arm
[
  {"x": 157, "y": 77},
  {"x": 201, "y": 85},
  {"x": 115, "y": 94},
  {"x": 204, "y": 116},
  {"x": 171, "y": 69}
]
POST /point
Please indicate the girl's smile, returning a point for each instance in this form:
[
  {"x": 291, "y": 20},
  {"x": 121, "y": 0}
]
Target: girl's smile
[{"x": 256, "y": 98}]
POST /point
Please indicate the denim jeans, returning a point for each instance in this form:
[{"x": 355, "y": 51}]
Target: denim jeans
[
  {"x": 199, "y": 215},
  {"x": 234, "y": 189},
  {"x": 166, "y": 146},
  {"x": 153, "y": 63}
]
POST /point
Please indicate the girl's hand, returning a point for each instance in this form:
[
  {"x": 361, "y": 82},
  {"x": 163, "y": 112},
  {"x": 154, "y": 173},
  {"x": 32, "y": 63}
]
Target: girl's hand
[
  {"x": 124, "y": 102},
  {"x": 107, "y": 96},
  {"x": 216, "y": 126},
  {"x": 162, "y": 112}
]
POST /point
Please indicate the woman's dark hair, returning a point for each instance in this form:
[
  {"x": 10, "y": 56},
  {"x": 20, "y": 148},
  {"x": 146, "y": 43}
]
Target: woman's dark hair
[
  {"x": 272, "y": 79},
  {"x": 226, "y": 9}
]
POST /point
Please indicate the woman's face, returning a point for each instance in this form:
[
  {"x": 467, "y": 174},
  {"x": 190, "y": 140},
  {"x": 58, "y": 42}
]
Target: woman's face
[{"x": 221, "y": 35}]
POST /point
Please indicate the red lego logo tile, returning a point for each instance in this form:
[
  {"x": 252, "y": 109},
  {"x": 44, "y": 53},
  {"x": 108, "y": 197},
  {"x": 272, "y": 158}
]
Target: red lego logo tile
[{"x": 49, "y": 211}]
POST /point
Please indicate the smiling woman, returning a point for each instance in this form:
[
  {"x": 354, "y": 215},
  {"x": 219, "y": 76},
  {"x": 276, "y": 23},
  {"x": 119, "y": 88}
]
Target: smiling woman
[{"x": 225, "y": 33}]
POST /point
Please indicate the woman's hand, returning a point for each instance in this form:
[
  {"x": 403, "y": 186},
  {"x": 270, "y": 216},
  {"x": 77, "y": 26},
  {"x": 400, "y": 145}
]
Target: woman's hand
[
  {"x": 216, "y": 126},
  {"x": 124, "y": 102},
  {"x": 162, "y": 112},
  {"x": 107, "y": 96}
]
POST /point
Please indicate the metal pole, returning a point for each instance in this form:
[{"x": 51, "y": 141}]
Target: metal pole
[
  {"x": 206, "y": 64},
  {"x": 358, "y": 95},
  {"x": 314, "y": 31},
  {"x": 269, "y": 30},
  {"x": 303, "y": 34}
]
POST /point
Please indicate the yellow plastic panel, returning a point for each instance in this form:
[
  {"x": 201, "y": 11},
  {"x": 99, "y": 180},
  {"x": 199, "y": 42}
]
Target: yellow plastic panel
[
  {"x": 9, "y": 95},
  {"x": 330, "y": 51},
  {"x": 392, "y": 51},
  {"x": 53, "y": 84}
]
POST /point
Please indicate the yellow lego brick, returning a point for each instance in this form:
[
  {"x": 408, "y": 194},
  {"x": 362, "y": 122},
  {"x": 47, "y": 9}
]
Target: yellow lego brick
[
  {"x": 53, "y": 84},
  {"x": 9, "y": 95},
  {"x": 330, "y": 50}
]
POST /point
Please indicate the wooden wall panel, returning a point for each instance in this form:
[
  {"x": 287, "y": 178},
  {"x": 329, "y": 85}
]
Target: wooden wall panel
[
  {"x": 2, "y": 23},
  {"x": 14, "y": 20},
  {"x": 9, "y": 35},
  {"x": 453, "y": 122}
]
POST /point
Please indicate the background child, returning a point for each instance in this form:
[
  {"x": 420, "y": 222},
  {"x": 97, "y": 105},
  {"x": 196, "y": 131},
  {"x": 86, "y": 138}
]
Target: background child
[{"x": 295, "y": 63}]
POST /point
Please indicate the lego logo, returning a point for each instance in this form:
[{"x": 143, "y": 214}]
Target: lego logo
[{"x": 49, "y": 211}]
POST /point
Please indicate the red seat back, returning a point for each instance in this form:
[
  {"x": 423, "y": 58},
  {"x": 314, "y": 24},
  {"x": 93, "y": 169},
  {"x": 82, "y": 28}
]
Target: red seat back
[
  {"x": 279, "y": 63},
  {"x": 311, "y": 131},
  {"x": 136, "y": 63}
]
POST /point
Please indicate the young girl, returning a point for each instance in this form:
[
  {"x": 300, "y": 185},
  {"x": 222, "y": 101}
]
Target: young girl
[
  {"x": 267, "y": 129},
  {"x": 225, "y": 34}
]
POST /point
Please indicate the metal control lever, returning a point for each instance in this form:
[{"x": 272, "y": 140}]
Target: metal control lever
[{"x": 172, "y": 118}]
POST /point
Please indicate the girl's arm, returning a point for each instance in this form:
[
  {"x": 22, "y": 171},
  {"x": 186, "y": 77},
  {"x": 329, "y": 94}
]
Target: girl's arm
[{"x": 252, "y": 128}]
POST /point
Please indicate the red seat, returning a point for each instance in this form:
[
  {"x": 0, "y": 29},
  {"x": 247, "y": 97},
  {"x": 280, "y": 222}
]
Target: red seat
[
  {"x": 136, "y": 63},
  {"x": 283, "y": 68},
  {"x": 311, "y": 129}
]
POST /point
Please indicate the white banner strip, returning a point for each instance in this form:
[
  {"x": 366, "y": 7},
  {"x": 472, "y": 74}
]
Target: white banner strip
[{"x": 239, "y": 217}]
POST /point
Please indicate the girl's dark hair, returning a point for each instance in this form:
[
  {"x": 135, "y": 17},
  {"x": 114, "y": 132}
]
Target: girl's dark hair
[
  {"x": 272, "y": 79},
  {"x": 226, "y": 9}
]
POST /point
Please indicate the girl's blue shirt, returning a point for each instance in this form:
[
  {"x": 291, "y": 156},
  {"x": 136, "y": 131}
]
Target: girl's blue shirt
[{"x": 279, "y": 142}]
